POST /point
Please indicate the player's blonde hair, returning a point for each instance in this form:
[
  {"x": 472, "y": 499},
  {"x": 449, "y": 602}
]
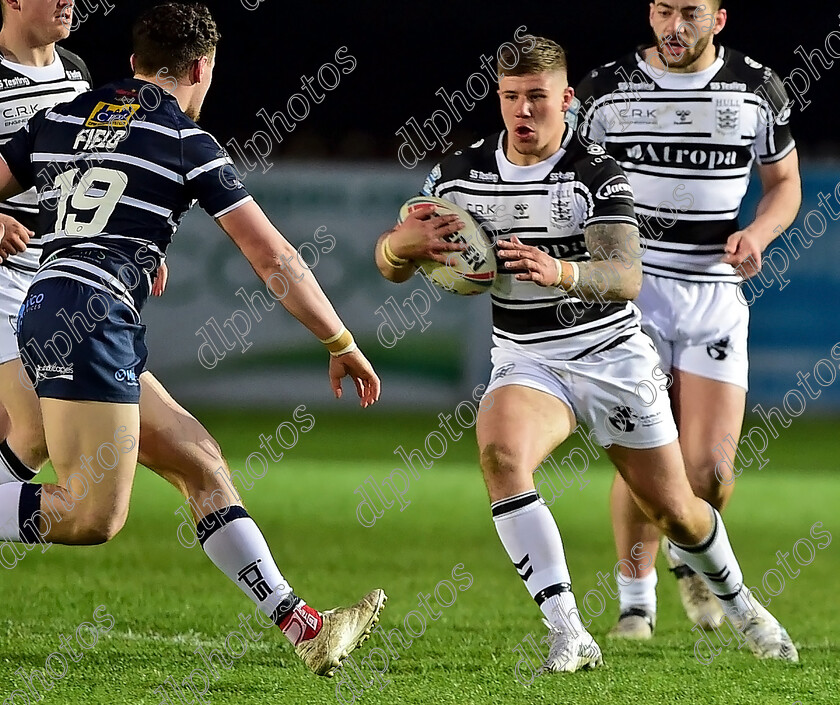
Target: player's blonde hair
[{"x": 530, "y": 55}]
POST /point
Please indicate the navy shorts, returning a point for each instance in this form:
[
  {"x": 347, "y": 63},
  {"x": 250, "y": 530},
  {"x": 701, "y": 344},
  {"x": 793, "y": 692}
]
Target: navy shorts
[{"x": 81, "y": 343}]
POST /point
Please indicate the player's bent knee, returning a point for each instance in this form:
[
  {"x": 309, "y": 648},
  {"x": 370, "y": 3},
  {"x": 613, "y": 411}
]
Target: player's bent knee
[
  {"x": 706, "y": 479},
  {"x": 100, "y": 528},
  {"x": 499, "y": 460}
]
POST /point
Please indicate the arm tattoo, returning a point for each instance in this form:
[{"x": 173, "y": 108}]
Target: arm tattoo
[{"x": 615, "y": 271}]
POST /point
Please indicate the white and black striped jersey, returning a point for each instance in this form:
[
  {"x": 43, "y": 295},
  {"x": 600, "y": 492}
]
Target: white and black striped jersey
[
  {"x": 116, "y": 171},
  {"x": 547, "y": 205},
  {"x": 687, "y": 142},
  {"x": 24, "y": 90}
]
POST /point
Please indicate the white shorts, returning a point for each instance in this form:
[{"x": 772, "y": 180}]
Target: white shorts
[
  {"x": 606, "y": 391},
  {"x": 13, "y": 288},
  {"x": 698, "y": 327}
]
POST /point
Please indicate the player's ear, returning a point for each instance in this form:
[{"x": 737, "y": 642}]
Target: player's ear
[
  {"x": 199, "y": 69},
  {"x": 720, "y": 21},
  {"x": 131, "y": 61},
  {"x": 568, "y": 97}
]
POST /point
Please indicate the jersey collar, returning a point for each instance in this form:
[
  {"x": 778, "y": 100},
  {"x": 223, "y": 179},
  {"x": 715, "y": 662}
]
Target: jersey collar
[
  {"x": 38, "y": 74},
  {"x": 536, "y": 172},
  {"x": 681, "y": 81}
]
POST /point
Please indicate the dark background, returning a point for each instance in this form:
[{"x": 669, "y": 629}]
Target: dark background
[{"x": 406, "y": 52}]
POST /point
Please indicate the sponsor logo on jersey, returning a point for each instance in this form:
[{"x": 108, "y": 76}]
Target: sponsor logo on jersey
[
  {"x": 561, "y": 176},
  {"x": 74, "y": 75},
  {"x": 488, "y": 211},
  {"x": 728, "y": 114},
  {"x": 639, "y": 116},
  {"x": 727, "y": 86},
  {"x": 16, "y": 82},
  {"x": 636, "y": 86},
  {"x": 26, "y": 110},
  {"x": 111, "y": 115},
  {"x": 683, "y": 118},
  {"x": 616, "y": 187},
  {"x": 657, "y": 153},
  {"x": 485, "y": 176},
  {"x": 752, "y": 62},
  {"x": 596, "y": 150}
]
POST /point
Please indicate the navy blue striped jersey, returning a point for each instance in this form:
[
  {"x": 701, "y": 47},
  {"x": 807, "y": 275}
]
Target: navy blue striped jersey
[
  {"x": 547, "y": 205},
  {"x": 24, "y": 90},
  {"x": 116, "y": 170}
]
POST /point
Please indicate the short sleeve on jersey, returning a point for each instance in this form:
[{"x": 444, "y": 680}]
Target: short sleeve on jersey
[
  {"x": 210, "y": 176},
  {"x": 588, "y": 118},
  {"x": 17, "y": 152},
  {"x": 430, "y": 183},
  {"x": 610, "y": 196},
  {"x": 774, "y": 140}
]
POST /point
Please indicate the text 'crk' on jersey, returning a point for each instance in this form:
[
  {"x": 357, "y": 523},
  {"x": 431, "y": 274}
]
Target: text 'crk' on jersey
[
  {"x": 687, "y": 142},
  {"x": 546, "y": 205}
]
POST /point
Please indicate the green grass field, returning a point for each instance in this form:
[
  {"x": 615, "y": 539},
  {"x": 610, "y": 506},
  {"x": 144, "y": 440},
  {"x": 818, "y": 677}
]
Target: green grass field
[{"x": 167, "y": 601}]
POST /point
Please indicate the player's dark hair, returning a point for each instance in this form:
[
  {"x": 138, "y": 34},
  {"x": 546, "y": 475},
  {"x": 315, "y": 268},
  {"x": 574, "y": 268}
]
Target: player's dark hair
[
  {"x": 529, "y": 55},
  {"x": 172, "y": 36}
]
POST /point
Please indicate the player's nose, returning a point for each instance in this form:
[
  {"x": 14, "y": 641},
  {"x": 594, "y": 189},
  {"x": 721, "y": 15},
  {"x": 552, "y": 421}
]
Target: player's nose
[
  {"x": 523, "y": 107},
  {"x": 675, "y": 26}
]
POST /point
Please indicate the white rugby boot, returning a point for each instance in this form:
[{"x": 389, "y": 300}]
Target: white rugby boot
[
  {"x": 570, "y": 651},
  {"x": 766, "y": 637},
  {"x": 342, "y": 630}
]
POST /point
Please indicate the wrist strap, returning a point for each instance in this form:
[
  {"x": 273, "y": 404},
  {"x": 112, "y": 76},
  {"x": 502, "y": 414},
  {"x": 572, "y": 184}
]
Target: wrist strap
[
  {"x": 390, "y": 257},
  {"x": 560, "y": 277},
  {"x": 341, "y": 343}
]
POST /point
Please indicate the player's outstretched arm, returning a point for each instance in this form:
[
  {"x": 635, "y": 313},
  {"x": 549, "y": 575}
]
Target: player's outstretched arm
[
  {"x": 419, "y": 236},
  {"x": 613, "y": 274},
  {"x": 275, "y": 261},
  {"x": 777, "y": 209}
]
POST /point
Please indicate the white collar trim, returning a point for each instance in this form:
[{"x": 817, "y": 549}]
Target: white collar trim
[{"x": 682, "y": 81}]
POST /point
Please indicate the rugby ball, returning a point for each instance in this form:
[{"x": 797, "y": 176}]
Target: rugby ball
[{"x": 466, "y": 273}]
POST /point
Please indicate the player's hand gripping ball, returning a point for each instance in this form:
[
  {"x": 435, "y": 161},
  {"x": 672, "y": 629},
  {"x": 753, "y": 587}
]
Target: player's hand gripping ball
[{"x": 469, "y": 272}]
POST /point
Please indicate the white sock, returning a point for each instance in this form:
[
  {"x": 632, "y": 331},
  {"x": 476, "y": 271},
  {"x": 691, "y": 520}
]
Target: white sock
[
  {"x": 531, "y": 538},
  {"x": 637, "y": 592},
  {"x": 12, "y": 468},
  {"x": 9, "y": 503},
  {"x": 20, "y": 505},
  {"x": 675, "y": 559},
  {"x": 233, "y": 541},
  {"x": 714, "y": 561}
]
